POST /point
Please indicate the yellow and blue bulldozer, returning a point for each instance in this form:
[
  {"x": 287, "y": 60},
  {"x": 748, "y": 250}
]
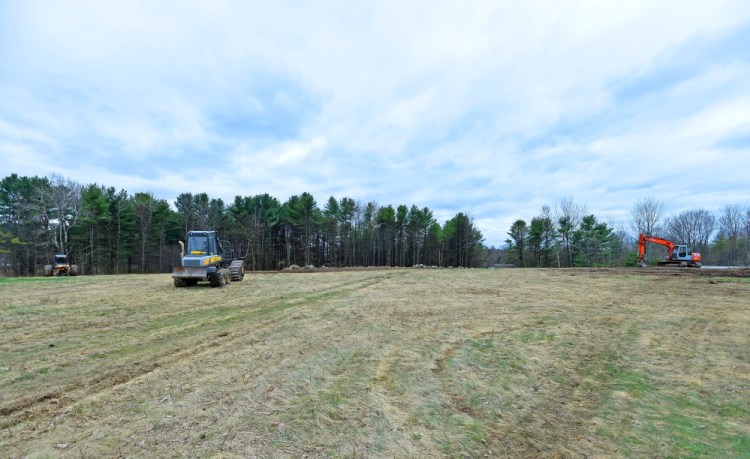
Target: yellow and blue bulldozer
[{"x": 207, "y": 258}]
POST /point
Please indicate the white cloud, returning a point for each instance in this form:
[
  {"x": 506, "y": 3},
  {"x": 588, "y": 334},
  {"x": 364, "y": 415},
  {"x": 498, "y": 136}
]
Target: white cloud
[{"x": 491, "y": 108}]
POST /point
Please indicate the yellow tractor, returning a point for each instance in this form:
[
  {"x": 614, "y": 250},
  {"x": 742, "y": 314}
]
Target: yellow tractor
[{"x": 60, "y": 267}]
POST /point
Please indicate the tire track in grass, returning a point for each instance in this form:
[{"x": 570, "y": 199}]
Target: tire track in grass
[{"x": 53, "y": 402}]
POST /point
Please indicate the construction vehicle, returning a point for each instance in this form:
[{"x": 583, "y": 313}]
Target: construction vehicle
[
  {"x": 207, "y": 258},
  {"x": 677, "y": 255},
  {"x": 60, "y": 267}
]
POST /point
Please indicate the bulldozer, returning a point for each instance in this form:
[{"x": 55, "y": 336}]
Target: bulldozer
[
  {"x": 60, "y": 267},
  {"x": 207, "y": 258},
  {"x": 677, "y": 254}
]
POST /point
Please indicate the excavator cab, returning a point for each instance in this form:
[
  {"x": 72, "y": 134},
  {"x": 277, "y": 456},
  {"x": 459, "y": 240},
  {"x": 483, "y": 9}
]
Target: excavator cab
[{"x": 680, "y": 253}]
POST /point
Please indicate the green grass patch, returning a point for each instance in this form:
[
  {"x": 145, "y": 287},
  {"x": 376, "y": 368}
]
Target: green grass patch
[
  {"x": 31, "y": 280},
  {"x": 670, "y": 421}
]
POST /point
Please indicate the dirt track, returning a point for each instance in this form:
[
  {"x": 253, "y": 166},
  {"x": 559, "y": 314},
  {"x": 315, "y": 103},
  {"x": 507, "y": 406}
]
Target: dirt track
[
  {"x": 686, "y": 272},
  {"x": 650, "y": 271},
  {"x": 384, "y": 362}
]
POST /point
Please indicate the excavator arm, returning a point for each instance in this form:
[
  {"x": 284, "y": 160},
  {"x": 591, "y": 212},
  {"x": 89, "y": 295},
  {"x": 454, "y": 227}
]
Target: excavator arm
[{"x": 642, "y": 239}]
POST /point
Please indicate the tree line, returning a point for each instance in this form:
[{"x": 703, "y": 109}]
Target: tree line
[
  {"x": 566, "y": 235},
  {"x": 108, "y": 231}
]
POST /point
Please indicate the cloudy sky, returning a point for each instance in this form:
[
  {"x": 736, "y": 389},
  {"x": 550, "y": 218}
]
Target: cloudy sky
[{"x": 493, "y": 108}]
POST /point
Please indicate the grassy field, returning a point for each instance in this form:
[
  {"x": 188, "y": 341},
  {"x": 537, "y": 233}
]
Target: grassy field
[{"x": 393, "y": 363}]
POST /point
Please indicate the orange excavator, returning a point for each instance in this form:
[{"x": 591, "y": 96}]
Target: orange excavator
[{"x": 677, "y": 255}]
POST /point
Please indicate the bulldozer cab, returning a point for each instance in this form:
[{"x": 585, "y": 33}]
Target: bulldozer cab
[{"x": 202, "y": 243}]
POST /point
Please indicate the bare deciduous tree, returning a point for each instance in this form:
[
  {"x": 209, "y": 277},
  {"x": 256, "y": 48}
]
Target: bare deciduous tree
[
  {"x": 731, "y": 226},
  {"x": 144, "y": 204},
  {"x": 646, "y": 215},
  {"x": 692, "y": 227},
  {"x": 61, "y": 203},
  {"x": 731, "y": 221},
  {"x": 568, "y": 215}
]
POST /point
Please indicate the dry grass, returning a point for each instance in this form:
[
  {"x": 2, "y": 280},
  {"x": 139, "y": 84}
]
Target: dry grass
[{"x": 395, "y": 363}]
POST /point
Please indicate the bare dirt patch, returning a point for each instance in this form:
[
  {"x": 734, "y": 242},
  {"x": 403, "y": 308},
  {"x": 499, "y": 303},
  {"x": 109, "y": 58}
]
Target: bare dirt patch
[{"x": 519, "y": 363}]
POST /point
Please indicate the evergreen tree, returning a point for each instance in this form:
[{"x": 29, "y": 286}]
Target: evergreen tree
[
  {"x": 592, "y": 242},
  {"x": 517, "y": 242},
  {"x": 331, "y": 240},
  {"x": 402, "y": 215},
  {"x": 386, "y": 221},
  {"x": 460, "y": 240},
  {"x": 95, "y": 220},
  {"x": 347, "y": 211}
]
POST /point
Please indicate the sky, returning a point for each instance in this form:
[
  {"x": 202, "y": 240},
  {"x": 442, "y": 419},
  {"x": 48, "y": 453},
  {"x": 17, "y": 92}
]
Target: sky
[{"x": 492, "y": 108}]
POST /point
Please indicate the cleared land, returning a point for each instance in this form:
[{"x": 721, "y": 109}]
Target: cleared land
[{"x": 396, "y": 363}]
